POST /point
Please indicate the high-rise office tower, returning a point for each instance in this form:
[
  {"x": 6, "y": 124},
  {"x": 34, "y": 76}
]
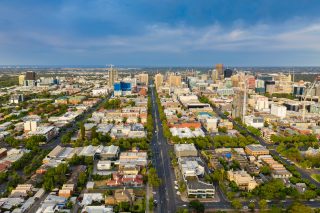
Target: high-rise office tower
[
  {"x": 174, "y": 80},
  {"x": 30, "y": 75},
  {"x": 214, "y": 75},
  {"x": 113, "y": 76},
  {"x": 228, "y": 73},
  {"x": 21, "y": 79},
  {"x": 158, "y": 80},
  {"x": 239, "y": 103},
  {"x": 219, "y": 71},
  {"x": 142, "y": 78}
]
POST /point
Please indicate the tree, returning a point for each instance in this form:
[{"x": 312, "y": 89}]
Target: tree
[
  {"x": 94, "y": 132},
  {"x": 309, "y": 194},
  {"x": 82, "y": 131},
  {"x": 197, "y": 206},
  {"x": 124, "y": 206},
  {"x": 299, "y": 208},
  {"x": 236, "y": 204},
  {"x": 95, "y": 142},
  {"x": 65, "y": 139},
  {"x": 265, "y": 170},
  {"x": 153, "y": 178},
  {"x": 12, "y": 141},
  {"x": 3, "y": 177},
  {"x": 252, "y": 206},
  {"x": 48, "y": 184},
  {"x": 263, "y": 204},
  {"x": 254, "y": 131},
  {"x": 222, "y": 129},
  {"x": 82, "y": 180},
  {"x": 274, "y": 189},
  {"x": 151, "y": 203},
  {"x": 182, "y": 210}
]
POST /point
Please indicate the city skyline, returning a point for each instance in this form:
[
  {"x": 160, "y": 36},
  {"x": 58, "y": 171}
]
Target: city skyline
[{"x": 188, "y": 33}]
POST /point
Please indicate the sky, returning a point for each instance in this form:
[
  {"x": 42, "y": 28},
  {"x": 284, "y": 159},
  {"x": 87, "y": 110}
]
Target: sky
[{"x": 160, "y": 32}]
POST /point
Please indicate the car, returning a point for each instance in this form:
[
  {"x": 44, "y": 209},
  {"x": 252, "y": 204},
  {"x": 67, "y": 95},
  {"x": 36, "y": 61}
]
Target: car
[
  {"x": 178, "y": 193},
  {"x": 268, "y": 201},
  {"x": 184, "y": 205},
  {"x": 245, "y": 208},
  {"x": 176, "y": 187},
  {"x": 311, "y": 200},
  {"x": 252, "y": 201}
]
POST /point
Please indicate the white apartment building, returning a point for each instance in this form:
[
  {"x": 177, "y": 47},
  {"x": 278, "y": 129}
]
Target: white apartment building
[{"x": 278, "y": 110}]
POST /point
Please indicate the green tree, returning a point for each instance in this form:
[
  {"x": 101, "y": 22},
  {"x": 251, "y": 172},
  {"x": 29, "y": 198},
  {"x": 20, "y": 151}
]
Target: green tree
[
  {"x": 265, "y": 170},
  {"x": 236, "y": 204},
  {"x": 252, "y": 206},
  {"x": 94, "y": 132},
  {"x": 197, "y": 206},
  {"x": 309, "y": 194},
  {"x": 82, "y": 180},
  {"x": 82, "y": 131},
  {"x": 124, "y": 206},
  {"x": 153, "y": 178},
  {"x": 299, "y": 208},
  {"x": 65, "y": 139},
  {"x": 151, "y": 203},
  {"x": 263, "y": 205},
  {"x": 222, "y": 129}
]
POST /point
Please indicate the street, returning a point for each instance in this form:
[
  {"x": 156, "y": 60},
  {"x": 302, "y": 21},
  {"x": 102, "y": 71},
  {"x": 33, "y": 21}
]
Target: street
[{"x": 160, "y": 149}]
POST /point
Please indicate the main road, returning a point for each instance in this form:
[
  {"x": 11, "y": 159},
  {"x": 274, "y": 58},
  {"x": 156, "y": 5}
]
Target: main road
[
  {"x": 161, "y": 161},
  {"x": 168, "y": 200}
]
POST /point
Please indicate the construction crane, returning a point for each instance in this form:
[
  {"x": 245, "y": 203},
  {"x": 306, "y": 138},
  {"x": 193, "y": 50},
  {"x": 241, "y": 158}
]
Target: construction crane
[{"x": 307, "y": 93}]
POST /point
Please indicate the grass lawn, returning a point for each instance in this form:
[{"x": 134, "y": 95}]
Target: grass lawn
[{"x": 316, "y": 177}]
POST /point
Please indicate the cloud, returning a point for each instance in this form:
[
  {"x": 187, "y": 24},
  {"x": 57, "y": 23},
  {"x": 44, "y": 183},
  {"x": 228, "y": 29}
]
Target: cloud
[
  {"x": 178, "y": 39},
  {"x": 56, "y": 32}
]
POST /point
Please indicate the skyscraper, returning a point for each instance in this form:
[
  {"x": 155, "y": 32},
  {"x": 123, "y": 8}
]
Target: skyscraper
[
  {"x": 174, "y": 80},
  {"x": 158, "y": 80},
  {"x": 21, "y": 79},
  {"x": 142, "y": 78},
  {"x": 228, "y": 73},
  {"x": 113, "y": 76},
  {"x": 219, "y": 71},
  {"x": 30, "y": 75}
]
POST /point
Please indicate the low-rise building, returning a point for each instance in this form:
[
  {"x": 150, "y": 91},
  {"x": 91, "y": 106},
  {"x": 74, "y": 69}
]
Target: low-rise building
[
  {"x": 256, "y": 122},
  {"x": 185, "y": 150},
  {"x": 256, "y": 150},
  {"x": 133, "y": 158},
  {"x": 278, "y": 110},
  {"x": 243, "y": 180},
  {"x": 199, "y": 189},
  {"x": 109, "y": 152},
  {"x": 22, "y": 190},
  {"x": 66, "y": 190},
  {"x": 104, "y": 165},
  {"x": 190, "y": 167},
  {"x": 48, "y": 131}
]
